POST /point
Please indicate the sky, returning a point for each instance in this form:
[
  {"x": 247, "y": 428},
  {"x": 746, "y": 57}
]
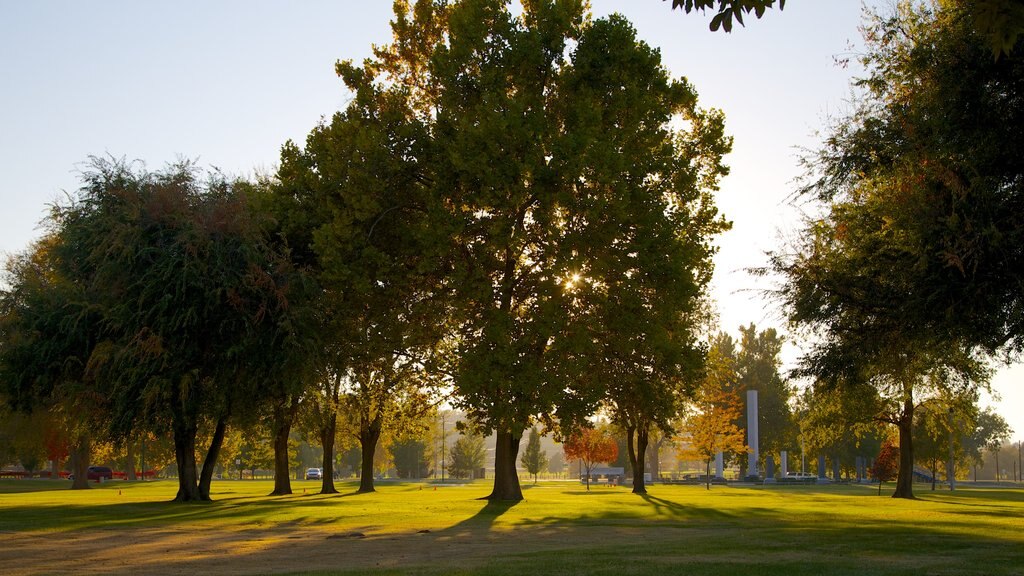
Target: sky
[{"x": 228, "y": 82}]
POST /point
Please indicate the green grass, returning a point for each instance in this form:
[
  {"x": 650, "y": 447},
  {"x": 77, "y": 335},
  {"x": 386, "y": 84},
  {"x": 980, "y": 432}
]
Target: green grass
[{"x": 561, "y": 528}]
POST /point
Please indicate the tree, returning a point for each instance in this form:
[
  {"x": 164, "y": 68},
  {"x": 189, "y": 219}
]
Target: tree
[
  {"x": 468, "y": 456},
  {"x": 988, "y": 431},
  {"x": 387, "y": 397},
  {"x": 886, "y": 464},
  {"x": 999, "y": 433},
  {"x": 534, "y": 159},
  {"x": 591, "y": 447},
  {"x": 321, "y": 408},
  {"x": 711, "y": 428},
  {"x": 254, "y": 451},
  {"x": 1000, "y": 23},
  {"x": 911, "y": 274},
  {"x": 355, "y": 201},
  {"x": 841, "y": 421},
  {"x": 534, "y": 459},
  {"x": 939, "y": 433},
  {"x": 915, "y": 155},
  {"x": 556, "y": 463},
  {"x": 758, "y": 363},
  {"x": 409, "y": 456},
  {"x": 192, "y": 299},
  {"x": 50, "y": 328},
  {"x": 728, "y": 10}
]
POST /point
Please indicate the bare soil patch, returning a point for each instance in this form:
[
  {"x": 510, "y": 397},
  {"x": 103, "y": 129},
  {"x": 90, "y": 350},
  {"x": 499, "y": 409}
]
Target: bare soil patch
[{"x": 167, "y": 552}]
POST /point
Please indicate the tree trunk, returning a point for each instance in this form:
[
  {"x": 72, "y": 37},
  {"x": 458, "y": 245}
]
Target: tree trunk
[
  {"x": 506, "y": 479},
  {"x": 631, "y": 453},
  {"x": 935, "y": 473},
  {"x": 185, "y": 457},
  {"x": 282, "y": 429},
  {"x": 707, "y": 474},
  {"x": 368, "y": 437},
  {"x": 130, "y": 457},
  {"x": 210, "y": 462},
  {"x": 636, "y": 459},
  {"x": 905, "y": 476},
  {"x": 653, "y": 457},
  {"x": 80, "y": 463},
  {"x": 327, "y": 433}
]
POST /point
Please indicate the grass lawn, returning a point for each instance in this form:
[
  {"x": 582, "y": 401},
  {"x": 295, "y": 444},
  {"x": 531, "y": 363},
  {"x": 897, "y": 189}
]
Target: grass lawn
[{"x": 560, "y": 528}]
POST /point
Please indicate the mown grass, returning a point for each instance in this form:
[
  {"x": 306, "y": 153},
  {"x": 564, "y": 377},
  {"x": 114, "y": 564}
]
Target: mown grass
[{"x": 561, "y": 528}]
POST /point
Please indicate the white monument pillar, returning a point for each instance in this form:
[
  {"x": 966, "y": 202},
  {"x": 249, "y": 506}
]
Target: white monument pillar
[
  {"x": 783, "y": 463},
  {"x": 752, "y": 457},
  {"x": 719, "y": 465}
]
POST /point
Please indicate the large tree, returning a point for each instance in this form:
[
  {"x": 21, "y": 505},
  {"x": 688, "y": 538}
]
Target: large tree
[
  {"x": 915, "y": 266},
  {"x": 532, "y": 159},
  {"x": 191, "y": 295}
]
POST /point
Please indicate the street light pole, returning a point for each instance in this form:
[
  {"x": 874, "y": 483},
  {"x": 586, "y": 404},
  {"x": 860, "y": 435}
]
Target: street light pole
[{"x": 951, "y": 465}]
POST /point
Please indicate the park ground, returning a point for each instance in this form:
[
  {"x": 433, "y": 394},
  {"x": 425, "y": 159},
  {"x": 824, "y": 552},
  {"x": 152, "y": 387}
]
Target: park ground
[{"x": 420, "y": 528}]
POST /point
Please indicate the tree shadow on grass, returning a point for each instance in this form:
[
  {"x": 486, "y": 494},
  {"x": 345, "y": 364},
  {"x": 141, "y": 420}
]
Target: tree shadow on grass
[
  {"x": 481, "y": 522},
  {"x": 676, "y": 510}
]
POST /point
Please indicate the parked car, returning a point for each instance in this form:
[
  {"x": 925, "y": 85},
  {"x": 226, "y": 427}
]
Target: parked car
[{"x": 314, "y": 474}]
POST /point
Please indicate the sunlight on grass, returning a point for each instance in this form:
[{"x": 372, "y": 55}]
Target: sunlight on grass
[{"x": 781, "y": 530}]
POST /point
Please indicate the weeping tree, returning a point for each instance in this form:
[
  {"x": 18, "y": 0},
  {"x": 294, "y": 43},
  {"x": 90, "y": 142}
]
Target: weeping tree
[
  {"x": 913, "y": 269},
  {"x": 49, "y": 328},
  {"x": 190, "y": 293}
]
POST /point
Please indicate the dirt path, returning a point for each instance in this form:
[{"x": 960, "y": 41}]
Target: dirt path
[{"x": 161, "y": 552}]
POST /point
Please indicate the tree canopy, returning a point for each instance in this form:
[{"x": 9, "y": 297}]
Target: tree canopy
[
  {"x": 914, "y": 268},
  {"x": 591, "y": 446},
  {"x": 538, "y": 150},
  {"x": 177, "y": 298}
]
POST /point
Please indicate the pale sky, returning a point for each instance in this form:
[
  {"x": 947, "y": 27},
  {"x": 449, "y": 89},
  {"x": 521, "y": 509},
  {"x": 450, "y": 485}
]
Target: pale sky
[{"x": 229, "y": 82}]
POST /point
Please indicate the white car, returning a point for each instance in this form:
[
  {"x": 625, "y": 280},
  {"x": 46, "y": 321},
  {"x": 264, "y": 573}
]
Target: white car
[{"x": 314, "y": 474}]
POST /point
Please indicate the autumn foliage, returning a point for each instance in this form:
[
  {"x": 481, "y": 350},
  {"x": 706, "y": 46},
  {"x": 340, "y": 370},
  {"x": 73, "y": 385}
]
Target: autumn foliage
[
  {"x": 591, "y": 447},
  {"x": 712, "y": 426},
  {"x": 887, "y": 463}
]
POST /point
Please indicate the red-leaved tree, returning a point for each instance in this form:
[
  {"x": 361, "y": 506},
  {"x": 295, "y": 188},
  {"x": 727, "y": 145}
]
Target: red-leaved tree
[
  {"x": 591, "y": 447},
  {"x": 886, "y": 464}
]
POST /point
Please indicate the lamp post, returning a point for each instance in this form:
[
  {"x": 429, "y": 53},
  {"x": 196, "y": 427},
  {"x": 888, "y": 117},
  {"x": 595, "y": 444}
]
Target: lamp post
[
  {"x": 444, "y": 441},
  {"x": 951, "y": 465}
]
